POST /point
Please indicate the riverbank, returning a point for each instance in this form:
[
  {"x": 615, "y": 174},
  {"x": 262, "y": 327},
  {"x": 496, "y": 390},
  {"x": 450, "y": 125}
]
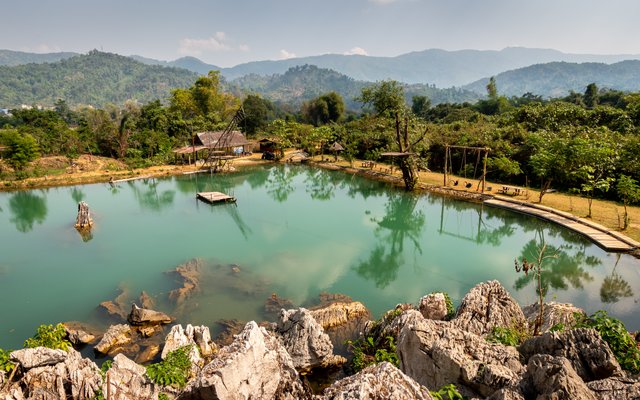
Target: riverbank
[{"x": 92, "y": 169}]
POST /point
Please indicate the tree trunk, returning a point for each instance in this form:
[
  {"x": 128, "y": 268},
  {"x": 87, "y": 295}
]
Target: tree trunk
[{"x": 83, "y": 220}]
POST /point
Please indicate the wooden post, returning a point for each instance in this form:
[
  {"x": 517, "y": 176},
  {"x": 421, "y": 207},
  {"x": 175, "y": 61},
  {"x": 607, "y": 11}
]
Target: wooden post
[
  {"x": 83, "y": 220},
  {"x": 446, "y": 158},
  {"x": 484, "y": 169}
]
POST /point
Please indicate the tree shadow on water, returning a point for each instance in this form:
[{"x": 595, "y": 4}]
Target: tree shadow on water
[{"x": 27, "y": 208}]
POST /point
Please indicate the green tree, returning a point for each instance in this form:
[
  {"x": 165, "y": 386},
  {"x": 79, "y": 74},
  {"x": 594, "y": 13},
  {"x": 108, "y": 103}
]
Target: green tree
[
  {"x": 23, "y": 149},
  {"x": 591, "y": 95},
  {"x": 492, "y": 88},
  {"x": 257, "y": 111},
  {"x": 420, "y": 106},
  {"x": 325, "y": 109},
  {"x": 387, "y": 99},
  {"x": 629, "y": 192}
]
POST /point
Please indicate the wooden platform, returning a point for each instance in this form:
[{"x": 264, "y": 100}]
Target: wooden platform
[
  {"x": 215, "y": 197},
  {"x": 600, "y": 235}
]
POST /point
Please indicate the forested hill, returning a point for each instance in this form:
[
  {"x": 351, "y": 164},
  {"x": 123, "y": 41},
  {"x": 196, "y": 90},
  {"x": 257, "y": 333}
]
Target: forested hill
[
  {"x": 302, "y": 83},
  {"x": 93, "y": 79},
  {"x": 12, "y": 58},
  {"x": 557, "y": 79}
]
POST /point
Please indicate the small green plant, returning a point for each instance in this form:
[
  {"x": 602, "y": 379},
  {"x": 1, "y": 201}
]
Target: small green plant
[
  {"x": 163, "y": 396},
  {"x": 53, "y": 337},
  {"x": 366, "y": 353},
  {"x": 509, "y": 336},
  {"x": 105, "y": 367},
  {"x": 5, "y": 361},
  {"x": 559, "y": 327},
  {"x": 447, "y": 392},
  {"x": 174, "y": 370},
  {"x": 613, "y": 331},
  {"x": 451, "y": 312}
]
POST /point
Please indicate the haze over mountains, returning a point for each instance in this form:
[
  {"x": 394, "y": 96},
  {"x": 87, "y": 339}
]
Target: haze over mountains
[{"x": 544, "y": 72}]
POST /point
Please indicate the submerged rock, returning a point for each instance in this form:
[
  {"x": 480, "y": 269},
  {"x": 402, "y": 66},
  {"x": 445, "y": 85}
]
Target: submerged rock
[
  {"x": 115, "y": 337},
  {"x": 189, "y": 274},
  {"x": 380, "y": 381},
  {"x": 230, "y": 328},
  {"x": 146, "y": 301},
  {"x": 78, "y": 333},
  {"x": 143, "y": 316},
  {"x": 254, "y": 366},
  {"x": 304, "y": 338},
  {"x": 488, "y": 305},
  {"x": 273, "y": 304}
]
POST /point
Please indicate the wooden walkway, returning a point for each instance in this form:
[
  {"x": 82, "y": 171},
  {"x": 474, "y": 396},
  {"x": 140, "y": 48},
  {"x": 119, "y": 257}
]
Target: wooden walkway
[
  {"x": 215, "y": 197},
  {"x": 602, "y": 236}
]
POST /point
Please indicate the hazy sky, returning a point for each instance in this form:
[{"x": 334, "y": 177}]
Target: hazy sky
[{"x": 230, "y": 32}]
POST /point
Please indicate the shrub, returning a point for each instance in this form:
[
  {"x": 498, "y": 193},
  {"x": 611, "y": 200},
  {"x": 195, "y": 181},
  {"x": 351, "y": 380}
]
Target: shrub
[
  {"x": 613, "y": 331},
  {"x": 5, "y": 362},
  {"x": 174, "y": 370},
  {"x": 366, "y": 353},
  {"x": 447, "y": 392},
  {"x": 53, "y": 337},
  {"x": 511, "y": 336}
]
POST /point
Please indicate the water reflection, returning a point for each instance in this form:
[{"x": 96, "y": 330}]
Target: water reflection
[
  {"x": 147, "y": 194},
  {"x": 27, "y": 208},
  {"x": 563, "y": 267},
  {"x": 77, "y": 194},
  {"x": 614, "y": 286},
  {"x": 320, "y": 184},
  {"x": 280, "y": 181},
  {"x": 401, "y": 222}
]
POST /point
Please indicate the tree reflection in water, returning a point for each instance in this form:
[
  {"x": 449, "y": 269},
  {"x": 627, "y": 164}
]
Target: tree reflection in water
[
  {"x": 564, "y": 270},
  {"x": 27, "y": 208},
  {"x": 146, "y": 192},
  {"x": 280, "y": 182},
  {"x": 614, "y": 286},
  {"x": 401, "y": 222},
  {"x": 77, "y": 194}
]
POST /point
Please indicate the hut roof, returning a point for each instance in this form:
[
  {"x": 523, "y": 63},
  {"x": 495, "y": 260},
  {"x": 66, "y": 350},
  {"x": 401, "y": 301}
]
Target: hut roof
[
  {"x": 189, "y": 149},
  {"x": 336, "y": 147},
  {"x": 397, "y": 154},
  {"x": 212, "y": 139}
]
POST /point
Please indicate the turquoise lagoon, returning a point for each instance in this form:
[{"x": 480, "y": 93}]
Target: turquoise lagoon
[{"x": 295, "y": 231}]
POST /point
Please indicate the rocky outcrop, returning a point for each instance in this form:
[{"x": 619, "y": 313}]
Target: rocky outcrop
[
  {"x": 78, "y": 333},
  {"x": 191, "y": 335},
  {"x": 189, "y": 274},
  {"x": 117, "y": 307},
  {"x": 73, "y": 377},
  {"x": 553, "y": 314},
  {"x": 273, "y": 304},
  {"x": 615, "y": 388},
  {"x": 127, "y": 380},
  {"x": 115, "y": 337},
  {"x": 38, "y": 357},
  {"x": 553, "y": 378},
  {"x": 142, "y": 316},
  {"x": 254, "y": 366},
  {"x": 338, "y": 314},
  {"x": 436, "y": 353},
  {"x": 488, "y": 305},
  {"x": 433, "y": 306},
  {"x": 380, "y": 381},
  {"x": 304, "y": 338},
  {"x": 588, "y": 354}
]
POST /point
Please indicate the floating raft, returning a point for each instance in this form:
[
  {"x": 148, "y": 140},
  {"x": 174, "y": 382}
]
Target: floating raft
[
  {"x": 215, "y": 197},
  {"x": 605, "y": 238}
]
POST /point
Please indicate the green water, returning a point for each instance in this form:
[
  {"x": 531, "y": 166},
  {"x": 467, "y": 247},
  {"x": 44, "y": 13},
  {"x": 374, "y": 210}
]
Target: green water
[{"x": 295, "y": 231}]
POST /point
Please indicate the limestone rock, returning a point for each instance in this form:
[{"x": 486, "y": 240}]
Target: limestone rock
[
  {"x": 304, "y": 338},
  {"x": 148, "y": 354},
  {"x": 38, "y": 357},
  {"x": 380, "y": 381},
  {"x": 127, "y": 380},
  {"x": 588, "y": 354},
  {"x": 78, "y": 333},
  {"x": 554, "y": 378},
  {"x": 75, "y": 378},
  {"x": 488, "y": 305},
  {"x": 116, "y": 336},
  {"x": 189, "y": 274},
  {"x": 553, "y": 314},
  {"x": 506, "y": 394},
  {"x": 146, "y": 301},
  {"x": 229, "y": 329},
  {"x": 615, "y": 388},
  {"x": 143, "y": 316},
  {"x": 436, "y": 353},
  {"x": 191, "y": 335},
  {"x": 113, "y": 309},
  {"x": 337, "y": 314},
  {"x": 273, "y": 304},
  {"x": 254, "y": 366},
  {"x": 433, "y": 306}
]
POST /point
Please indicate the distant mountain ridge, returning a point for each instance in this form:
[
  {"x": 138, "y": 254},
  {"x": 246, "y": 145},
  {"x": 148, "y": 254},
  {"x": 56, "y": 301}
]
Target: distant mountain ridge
[
  {"x": 433, "y": 66},
  {"x": 557, "y": 79},
  {"x": 12, "y": 58}
]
